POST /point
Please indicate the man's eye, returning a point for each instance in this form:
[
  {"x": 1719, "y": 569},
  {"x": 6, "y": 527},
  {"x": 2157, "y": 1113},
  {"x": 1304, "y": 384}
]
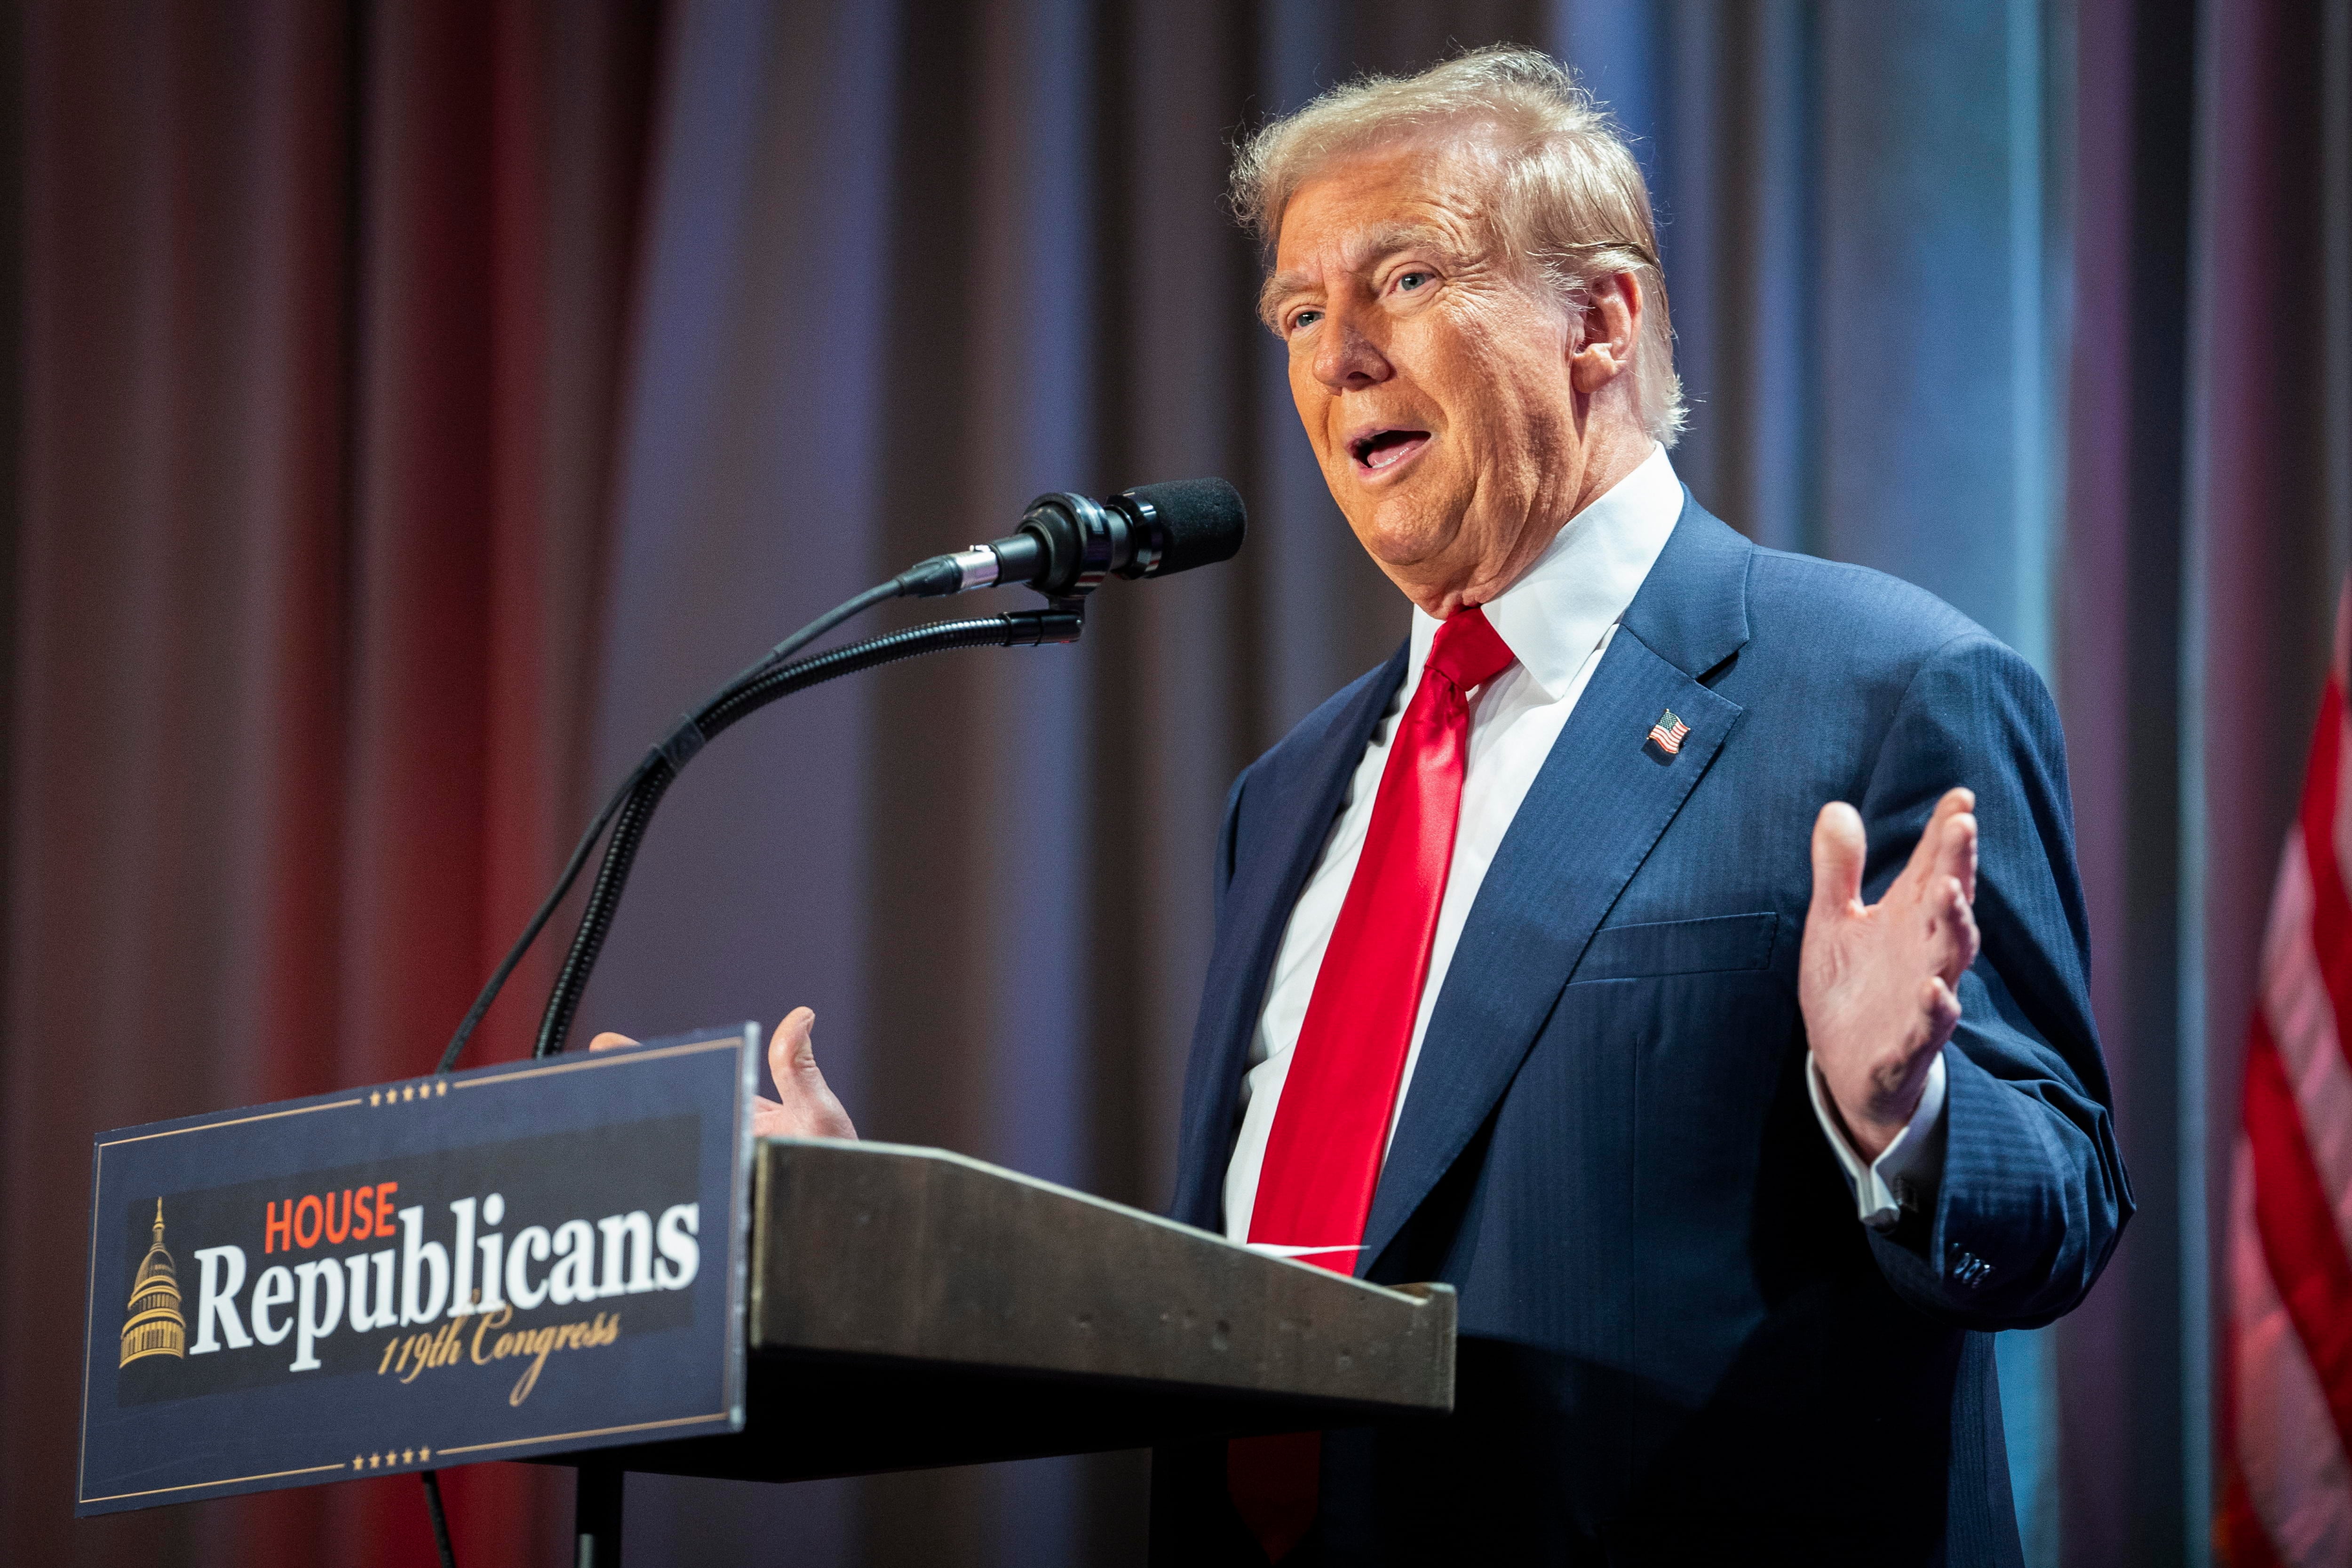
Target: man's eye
[
  {"x": 1303, "y": 320},
  {"x": 1412, "y": 280}
]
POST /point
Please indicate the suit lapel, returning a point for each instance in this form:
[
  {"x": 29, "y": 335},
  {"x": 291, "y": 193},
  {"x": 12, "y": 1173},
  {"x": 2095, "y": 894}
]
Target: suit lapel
[
  {"x": 1290, "y": 803},
  {"x": 1599, "y": 803}
]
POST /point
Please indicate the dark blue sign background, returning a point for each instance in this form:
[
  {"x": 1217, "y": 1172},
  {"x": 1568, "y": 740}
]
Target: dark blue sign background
[{"x": 653, "y": 1142}]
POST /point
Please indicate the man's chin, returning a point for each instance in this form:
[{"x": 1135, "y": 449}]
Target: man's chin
[{"x": 1400, "y": 533}]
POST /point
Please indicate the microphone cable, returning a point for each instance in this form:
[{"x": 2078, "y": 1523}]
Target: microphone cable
[
  {"x": 1066, "y": 546},
  {"x": 440, "y": 1519},
  {"x": 881, "y": 593}
]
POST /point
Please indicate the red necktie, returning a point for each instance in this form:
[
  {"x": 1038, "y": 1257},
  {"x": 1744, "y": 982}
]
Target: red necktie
[{"x": 1330, "y": 1127}]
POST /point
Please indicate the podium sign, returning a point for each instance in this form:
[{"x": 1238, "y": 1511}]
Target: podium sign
[{"x": 530, "y": 1258}]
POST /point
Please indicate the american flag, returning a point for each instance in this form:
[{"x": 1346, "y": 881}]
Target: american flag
[
  {"x": 1667, "y": 733},
  {"x": 2286, "y": 1420}
]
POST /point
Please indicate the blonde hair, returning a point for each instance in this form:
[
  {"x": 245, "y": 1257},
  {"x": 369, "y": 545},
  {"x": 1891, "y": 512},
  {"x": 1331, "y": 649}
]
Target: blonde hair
[{"x": 1570, "y": 202}]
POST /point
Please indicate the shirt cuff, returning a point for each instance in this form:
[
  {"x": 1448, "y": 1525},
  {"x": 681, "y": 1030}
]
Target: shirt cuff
[{"x": 1905, "y": 1167}]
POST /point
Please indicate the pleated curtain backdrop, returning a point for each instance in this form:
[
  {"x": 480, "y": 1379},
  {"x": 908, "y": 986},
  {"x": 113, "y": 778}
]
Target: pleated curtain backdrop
[
  {"x": 323, "y": 311},
  {"x": 2126, "y": 1417},
  {"x": 425, "y": 403},
  {"x": 2269, "y": 521}
]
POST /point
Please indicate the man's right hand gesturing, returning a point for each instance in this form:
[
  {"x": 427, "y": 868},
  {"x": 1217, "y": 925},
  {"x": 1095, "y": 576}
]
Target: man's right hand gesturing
[
  {"x": 807, "y": 1106},
  {"x": 1879, "y": 984}
]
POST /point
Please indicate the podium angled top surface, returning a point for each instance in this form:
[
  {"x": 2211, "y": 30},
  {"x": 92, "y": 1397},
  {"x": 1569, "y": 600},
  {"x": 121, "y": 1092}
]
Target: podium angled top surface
[
  {"x": 923, "y": 1256},
  {"x": 818, "y": 1308},
  {"x": 910, "y": 1307}
]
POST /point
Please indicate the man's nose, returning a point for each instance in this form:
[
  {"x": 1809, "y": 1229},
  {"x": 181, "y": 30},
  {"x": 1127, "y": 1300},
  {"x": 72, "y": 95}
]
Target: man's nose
[{"x": 1348, "y": 360}]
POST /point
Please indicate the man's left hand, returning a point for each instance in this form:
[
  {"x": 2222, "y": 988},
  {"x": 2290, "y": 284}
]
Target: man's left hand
[
  {"x": 1878, "y": 982},
  {"x": 808, "y": 1108}
]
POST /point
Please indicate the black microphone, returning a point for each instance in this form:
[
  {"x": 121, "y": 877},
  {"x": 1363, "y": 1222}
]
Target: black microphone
[
  {"x": 1067, "y": 544},
  {"x": 1064, "y": 547}
]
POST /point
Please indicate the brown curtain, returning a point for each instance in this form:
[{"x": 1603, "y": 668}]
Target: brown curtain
[
  {"x": 2209, "y": 516},
  {"x": 2269, "y": 512},
  {"x": 2120, "y": 650},
  {"x": 384, "y": 482},
  {"x": 324, "y": 317}
]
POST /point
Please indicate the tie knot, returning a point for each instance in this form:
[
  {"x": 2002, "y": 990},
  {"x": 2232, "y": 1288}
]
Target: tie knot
[{"x": 1467, "y": 651}]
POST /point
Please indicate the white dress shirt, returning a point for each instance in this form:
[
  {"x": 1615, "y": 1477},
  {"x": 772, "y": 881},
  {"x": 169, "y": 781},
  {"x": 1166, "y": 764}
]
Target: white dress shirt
[{"x": 1556, "y": 620}]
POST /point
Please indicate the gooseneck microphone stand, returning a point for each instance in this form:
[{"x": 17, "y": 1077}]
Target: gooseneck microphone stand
[
  {"x": 1061, "y": 622},
  {"x": 597, "y": 1505},
  {"x": 1067, "y": 545},
  {"x": 630, "y": 808}
]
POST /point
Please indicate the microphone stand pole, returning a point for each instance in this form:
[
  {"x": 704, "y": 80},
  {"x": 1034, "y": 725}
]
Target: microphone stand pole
[
  {"x": 596, "y": 1503},
  {"x": 1062, "y": 621},
  {"x": 1066, "y": 547}
]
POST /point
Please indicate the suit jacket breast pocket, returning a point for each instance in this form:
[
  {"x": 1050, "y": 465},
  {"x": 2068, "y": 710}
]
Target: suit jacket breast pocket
[{"x": 1714, "y": 944}]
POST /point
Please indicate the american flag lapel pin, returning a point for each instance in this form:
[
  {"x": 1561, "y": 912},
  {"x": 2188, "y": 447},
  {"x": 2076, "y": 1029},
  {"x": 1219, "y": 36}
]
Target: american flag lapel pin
[{"x": 1665, "y": 737}]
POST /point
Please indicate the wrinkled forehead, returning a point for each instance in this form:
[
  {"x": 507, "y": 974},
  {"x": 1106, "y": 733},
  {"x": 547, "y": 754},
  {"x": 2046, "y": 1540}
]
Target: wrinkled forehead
[
  {"x": 1352, "y": 205},
  {"x": 1356, "y": 209}
]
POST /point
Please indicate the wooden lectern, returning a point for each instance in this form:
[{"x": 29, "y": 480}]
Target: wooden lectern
[
  {"x": 571, "y": 1260},
  {"x": 911, "y": 1307}
]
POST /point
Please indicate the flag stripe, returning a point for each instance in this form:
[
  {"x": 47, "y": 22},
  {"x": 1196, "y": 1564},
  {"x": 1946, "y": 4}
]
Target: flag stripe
[
  {"x": 2331, "y": 912},
  {"x": 2240, "y": 1535},
  {"x": 2302, "y": 1021},
  {"x": 2287, "y": 1456},
  {"x": 2297, "y": 1225},
  {"x": 2340, "y": 834},
  {"x": 2286, "y": 1386}
]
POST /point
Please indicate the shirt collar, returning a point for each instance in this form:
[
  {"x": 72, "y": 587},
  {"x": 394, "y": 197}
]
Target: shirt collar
[{"x": 1556, "y": 613}]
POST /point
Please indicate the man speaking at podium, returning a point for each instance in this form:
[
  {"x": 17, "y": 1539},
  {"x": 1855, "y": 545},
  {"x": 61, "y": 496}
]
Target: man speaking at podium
[{"x": 1529, "y": 976}]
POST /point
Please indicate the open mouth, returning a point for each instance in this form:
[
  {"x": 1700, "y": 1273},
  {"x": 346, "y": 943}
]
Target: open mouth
[{"x": 1384, "y": 449}]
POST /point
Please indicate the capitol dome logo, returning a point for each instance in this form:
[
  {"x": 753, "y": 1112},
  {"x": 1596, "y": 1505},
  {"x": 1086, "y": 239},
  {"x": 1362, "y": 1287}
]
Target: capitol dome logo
[{"x": 155, "y": 1327}]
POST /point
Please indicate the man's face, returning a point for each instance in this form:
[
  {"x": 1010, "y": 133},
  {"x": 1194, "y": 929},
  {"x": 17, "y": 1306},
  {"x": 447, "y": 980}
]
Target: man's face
[{"x": 1433, "y": 378}]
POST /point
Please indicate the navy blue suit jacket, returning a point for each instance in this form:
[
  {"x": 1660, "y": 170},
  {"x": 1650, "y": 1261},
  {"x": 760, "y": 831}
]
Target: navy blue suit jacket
[{"x": 1677, "y": 1341}]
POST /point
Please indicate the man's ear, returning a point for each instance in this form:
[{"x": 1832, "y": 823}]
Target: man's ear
[{"x": 1610, "y": 327}]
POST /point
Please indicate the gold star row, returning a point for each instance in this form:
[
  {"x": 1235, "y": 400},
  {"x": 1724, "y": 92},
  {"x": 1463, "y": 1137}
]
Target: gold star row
[
  {"x": 379, "y": 1462},
  {"x": 409, "y": 1091}
]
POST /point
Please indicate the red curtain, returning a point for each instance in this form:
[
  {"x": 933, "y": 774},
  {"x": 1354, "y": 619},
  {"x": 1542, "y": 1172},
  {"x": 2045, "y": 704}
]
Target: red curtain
[{"x": 325, "y": 324}]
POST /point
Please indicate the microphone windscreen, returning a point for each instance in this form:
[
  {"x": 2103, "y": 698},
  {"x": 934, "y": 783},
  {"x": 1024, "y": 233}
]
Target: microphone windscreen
[{"x": 1204, "y": 519}]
